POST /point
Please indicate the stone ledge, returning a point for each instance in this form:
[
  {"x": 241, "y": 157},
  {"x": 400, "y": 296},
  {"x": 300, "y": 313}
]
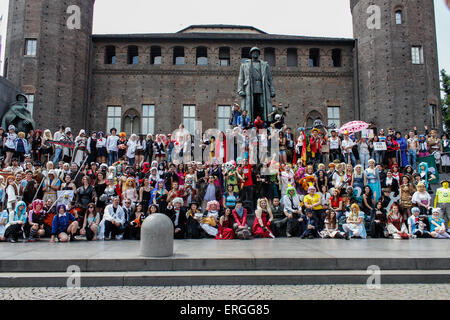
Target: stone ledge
[{"x": 180, "y": 278}]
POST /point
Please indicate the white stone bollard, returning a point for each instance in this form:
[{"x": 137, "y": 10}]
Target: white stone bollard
[{"x": 157, "y": 236}]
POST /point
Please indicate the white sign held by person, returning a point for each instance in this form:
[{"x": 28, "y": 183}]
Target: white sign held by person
[
  {"x": 367, "y": 133},
  {"x": 379, "y": 146},
  {"x": 65, "y": 197}
]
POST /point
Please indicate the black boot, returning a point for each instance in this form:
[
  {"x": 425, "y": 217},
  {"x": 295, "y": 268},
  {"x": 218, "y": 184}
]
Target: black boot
[{"x": 339, "y": 236}]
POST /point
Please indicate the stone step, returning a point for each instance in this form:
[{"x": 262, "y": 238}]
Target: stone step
[
  {"x": 188, "y": 278},
  {"x": 228, "y": 264},
  {"x": 220, "y": 264}
]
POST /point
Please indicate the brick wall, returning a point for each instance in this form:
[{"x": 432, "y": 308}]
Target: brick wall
[{"x": 169, "y": 87}]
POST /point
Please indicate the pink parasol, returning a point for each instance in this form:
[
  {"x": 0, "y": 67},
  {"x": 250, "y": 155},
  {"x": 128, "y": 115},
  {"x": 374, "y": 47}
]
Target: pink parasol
[{"x": 354, "y": 126}]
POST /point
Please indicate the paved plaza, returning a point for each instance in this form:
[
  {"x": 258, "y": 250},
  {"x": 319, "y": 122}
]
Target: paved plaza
[
  {"x": 234, "y": 249},
  {"x": 322, "y": 292}
]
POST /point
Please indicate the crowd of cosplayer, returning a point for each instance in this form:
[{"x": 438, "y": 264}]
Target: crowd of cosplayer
[{"x": 326, "y": 185}]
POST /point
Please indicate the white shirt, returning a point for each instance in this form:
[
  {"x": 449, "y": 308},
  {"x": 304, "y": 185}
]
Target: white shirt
[
  {"x": 345, "y": 144},
  {"x": 389, "y": 181},
  {"x": 338, "y": 179},
  {"x": 296, "y": 201},
  {"x": 111, "y": 143},
  {"x": 57, "y": 137},
  {"x": 140, "y": 145},
  {"x": 177, "y": 216},
  {"x": 101, "y": 143},
  {"x": 131, "y": 151},
  {"x": 118, "y": 216},
  {"x": 14, "y": 169},
  {"x": 419, "y": 197},
  {"x": 11, "y": 192},
  {"x": 334, "y": 143},
  {"x": 10, "y": 140}
]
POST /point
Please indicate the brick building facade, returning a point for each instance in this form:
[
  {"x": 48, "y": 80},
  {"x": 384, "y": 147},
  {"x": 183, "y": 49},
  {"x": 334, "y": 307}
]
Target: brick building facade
[{"x": 150, "y": 83}]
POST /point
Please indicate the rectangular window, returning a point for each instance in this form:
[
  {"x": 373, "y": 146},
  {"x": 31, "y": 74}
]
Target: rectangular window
[
  {"x": 224, "y": 57},
  {"x": 334, "y": 116},
  {"x": 114, "y": 118},
  {"x": 269, "y": 55},
  {"x": 189, "y": 118},
  {"x": 30, "y": 103},
  {"x": 148, "y": 119},
  {"x": 223, "y": 118},
  {"x": 417, "y": 55},
  {"x": 30, "y": 47},
  {"x": 433, "y": 116}
]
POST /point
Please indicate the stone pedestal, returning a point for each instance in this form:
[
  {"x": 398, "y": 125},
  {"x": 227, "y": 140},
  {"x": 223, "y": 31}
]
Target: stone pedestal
[{"x": 157, "y": 236}]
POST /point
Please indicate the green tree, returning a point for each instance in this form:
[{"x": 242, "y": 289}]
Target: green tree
[{"x": 445, "y": 80}]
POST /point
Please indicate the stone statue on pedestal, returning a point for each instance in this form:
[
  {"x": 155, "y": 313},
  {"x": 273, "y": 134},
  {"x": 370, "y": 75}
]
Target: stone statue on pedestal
[{"x": 255, "y": 87}]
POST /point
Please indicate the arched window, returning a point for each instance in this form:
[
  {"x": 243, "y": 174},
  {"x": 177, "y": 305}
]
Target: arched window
[
  {"x": 398, "y": 17},
  {"x": 178, "y": 56},
  {"x": 292, "y": 57},
  {"x": 224, "y": 56},
  {"x": 202, "y": 56},
  {"x": 269, "y": 56},
  {"x": 313, "y": 116},
  {"x": 133, "y": 55},
  {"x": 131, "y": 122},
  {"x": 155, "y": 55},
  {"x": 110, "y": 55}
]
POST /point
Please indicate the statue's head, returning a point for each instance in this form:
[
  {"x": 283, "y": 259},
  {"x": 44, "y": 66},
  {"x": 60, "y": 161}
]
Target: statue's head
[
  {"x": 318, "y": 123},
  {"x": 255, "y": 53},
  {"x": 21, "y": 98}
]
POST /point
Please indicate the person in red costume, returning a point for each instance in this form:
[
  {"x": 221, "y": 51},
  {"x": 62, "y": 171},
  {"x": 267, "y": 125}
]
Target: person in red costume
[
  {"x": 392, "y": 147},
  {"x": 263, "y": 220},
  {"x": 240, "y": 225},
  {"x": 226, "y": 231}
]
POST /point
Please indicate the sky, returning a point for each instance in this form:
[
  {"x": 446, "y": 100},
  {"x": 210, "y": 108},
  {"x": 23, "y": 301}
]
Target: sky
[{"x": 330, "y": 18}]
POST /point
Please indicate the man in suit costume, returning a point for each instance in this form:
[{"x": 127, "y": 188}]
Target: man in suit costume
[
  {"x": 177, "y": 214},
  {"x": 310, "y": 225},
  {"x": 129, "y": 217}
]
